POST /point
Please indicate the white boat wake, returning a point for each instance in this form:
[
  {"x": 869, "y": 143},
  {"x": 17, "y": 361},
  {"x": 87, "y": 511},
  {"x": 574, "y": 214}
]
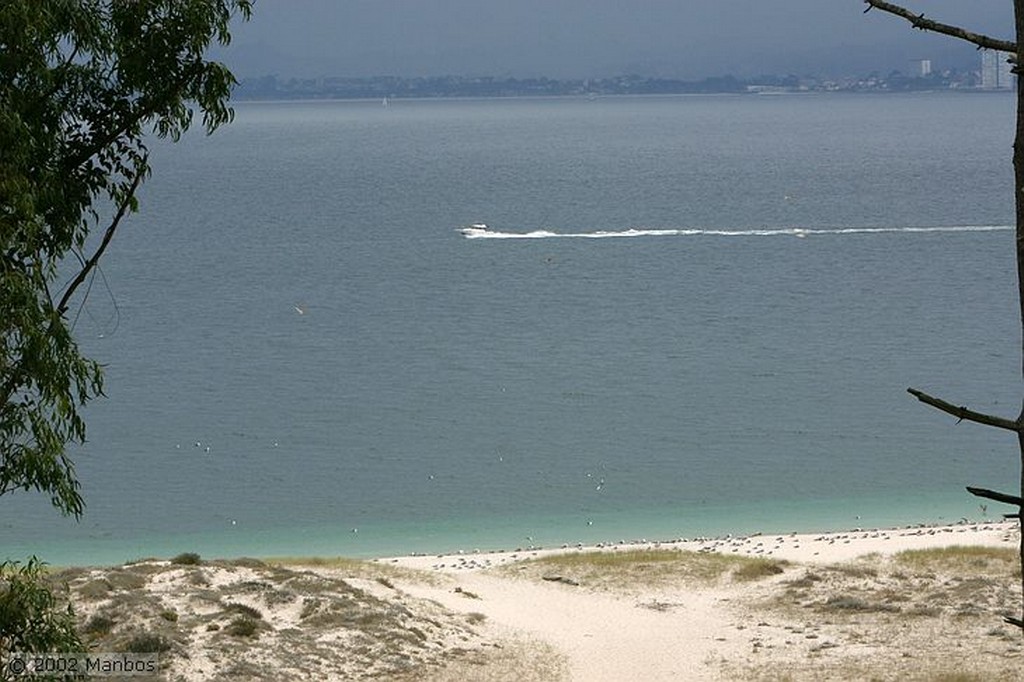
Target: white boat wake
[{"x": 482, "y": 231}]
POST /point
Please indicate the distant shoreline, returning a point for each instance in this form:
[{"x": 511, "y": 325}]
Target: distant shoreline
[
  {"x": 387, "y": 88},
  {"x": 377, "y": 101}
]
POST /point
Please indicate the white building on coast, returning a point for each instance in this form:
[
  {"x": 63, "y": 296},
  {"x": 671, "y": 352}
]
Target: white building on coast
[{"x": 996, "y": 71}]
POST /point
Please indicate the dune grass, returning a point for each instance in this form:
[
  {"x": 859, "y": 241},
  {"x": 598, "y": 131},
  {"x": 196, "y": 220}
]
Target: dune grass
[
  {"x": 337, "y": 562},
  {"x": 522, "y": 660},
  {"x": 962, "y": 559},
  {"x": 634, "y": 568},
  {"x": 297, "y": 623},
  {"x": 382, "y": 573},
  {"x": 928, "y": 615}
]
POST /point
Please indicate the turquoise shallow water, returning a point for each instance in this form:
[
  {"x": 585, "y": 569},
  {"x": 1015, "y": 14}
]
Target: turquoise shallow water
[
  {"x": 466, "y": 534},
  {"x": 296, "y": 297}
]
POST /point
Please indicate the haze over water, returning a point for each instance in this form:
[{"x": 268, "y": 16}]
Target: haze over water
[{"x": 732, "y": 356}]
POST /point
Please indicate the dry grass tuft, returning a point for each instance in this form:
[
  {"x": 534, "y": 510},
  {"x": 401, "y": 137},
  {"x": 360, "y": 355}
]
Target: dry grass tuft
[
  {"x": 756, "y": 569},
  {"x": 965, "y": 560},
  {"x": 383, "y": 573},
  {"x": 643, "y": 568},
  {"x": 519, "y": 660}
]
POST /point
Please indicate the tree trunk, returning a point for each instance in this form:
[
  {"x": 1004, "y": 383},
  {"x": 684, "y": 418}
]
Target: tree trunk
[
  {"x": 1015, "y": 48},
  {"x": 1018, "y": 185}
]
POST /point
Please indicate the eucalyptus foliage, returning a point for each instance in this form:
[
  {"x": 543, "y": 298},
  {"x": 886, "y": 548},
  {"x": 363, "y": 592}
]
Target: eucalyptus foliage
[
  {"x": 83, "y": 83},
  {"x": 32, "y": 618}
]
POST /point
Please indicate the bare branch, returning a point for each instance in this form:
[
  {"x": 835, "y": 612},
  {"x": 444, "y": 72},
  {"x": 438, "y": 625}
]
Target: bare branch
[
  {"x": 964, "y": 413},
  {"x": 993, "y": 495},
  {"x": 919, "y": 22},
  {"x": 107, "y": 236}
]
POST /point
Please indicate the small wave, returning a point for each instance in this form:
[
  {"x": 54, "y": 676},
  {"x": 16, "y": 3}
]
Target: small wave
[{"x": 765, "y": 232}]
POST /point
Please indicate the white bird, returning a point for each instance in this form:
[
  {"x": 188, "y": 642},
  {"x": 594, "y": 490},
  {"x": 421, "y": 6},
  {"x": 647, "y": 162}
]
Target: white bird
[{"x": 299, "y": 310}]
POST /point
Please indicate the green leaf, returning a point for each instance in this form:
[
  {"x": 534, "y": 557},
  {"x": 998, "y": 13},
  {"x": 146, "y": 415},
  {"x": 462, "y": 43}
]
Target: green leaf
[{"x": 81, "y": 81}]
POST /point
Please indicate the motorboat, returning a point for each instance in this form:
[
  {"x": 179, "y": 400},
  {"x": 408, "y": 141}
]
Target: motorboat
[{"x": 474, "y": 229}]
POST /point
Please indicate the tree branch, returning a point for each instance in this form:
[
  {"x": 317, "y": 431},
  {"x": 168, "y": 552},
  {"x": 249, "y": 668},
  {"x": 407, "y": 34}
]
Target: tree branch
[
  {"x": 963, "y": 413},
  {"x": 993, "y": 495},
  {"x": 142, "y": 111},
  {"x": 107, "y": 236},
  {"x": 919, "y": 22}
]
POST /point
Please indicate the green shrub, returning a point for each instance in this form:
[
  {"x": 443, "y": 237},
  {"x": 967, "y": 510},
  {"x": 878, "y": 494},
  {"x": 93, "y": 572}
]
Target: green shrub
[
  {"x": 243, "y": 610},
  {"x": 187, "y": 559},
  {"x": 757, "y": 568},
  {"x": 94, "y": 590},
  {"x": 243, "y": 626},
  {"x": 147, "y": 643},
  {"x": 99, "y": 625},
  {"x": 125, "y": 580},
  {"x": 850, "y": 603},
  {"x": 32, "y": 618}
]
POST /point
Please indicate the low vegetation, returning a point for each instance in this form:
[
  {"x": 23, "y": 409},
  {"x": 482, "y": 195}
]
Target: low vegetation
[
  {"x": 633, "y": 569},
  {"x": 522, "y": 660},
  {"x": 919, "y": 615},
  {"x": 966, "y": 559},
  {"x": 36, "y": 615},
  {"x": 201, "y": 615},
  {"x": 187, "y": 559},
  {"x": 382, "y": 573}
]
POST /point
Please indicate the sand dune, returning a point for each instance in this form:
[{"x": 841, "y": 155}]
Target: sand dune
[{"x": 888, "y": 604}]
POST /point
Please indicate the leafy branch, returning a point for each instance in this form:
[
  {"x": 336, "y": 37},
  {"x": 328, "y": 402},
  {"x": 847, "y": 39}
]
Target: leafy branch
[{"x": 127, "y": 202}]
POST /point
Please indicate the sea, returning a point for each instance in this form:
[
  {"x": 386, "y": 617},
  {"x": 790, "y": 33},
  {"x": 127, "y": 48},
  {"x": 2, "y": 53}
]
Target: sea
[{"x": 688, "y": 316}]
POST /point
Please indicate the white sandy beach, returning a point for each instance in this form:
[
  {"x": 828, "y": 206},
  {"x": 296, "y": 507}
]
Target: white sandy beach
[
  {"x": 853, "y": 605},
  {"x": 831, "y": 547},
  {"x": 621, "y": 637}
]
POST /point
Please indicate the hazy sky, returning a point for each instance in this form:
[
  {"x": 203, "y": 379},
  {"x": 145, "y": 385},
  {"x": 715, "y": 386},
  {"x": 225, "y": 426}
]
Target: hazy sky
[{"x": 587, "y": 38}]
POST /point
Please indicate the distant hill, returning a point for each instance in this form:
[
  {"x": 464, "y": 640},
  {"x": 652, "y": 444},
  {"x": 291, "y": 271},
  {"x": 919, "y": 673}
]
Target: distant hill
[{"x": 387, "y": 87}]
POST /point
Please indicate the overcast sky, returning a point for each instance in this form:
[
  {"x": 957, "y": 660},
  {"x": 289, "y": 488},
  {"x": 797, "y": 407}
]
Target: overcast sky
[{"x": 592, "y": 38}]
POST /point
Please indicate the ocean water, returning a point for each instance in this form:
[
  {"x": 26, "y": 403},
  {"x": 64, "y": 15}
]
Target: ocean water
[{"x": 689, "y": 316}]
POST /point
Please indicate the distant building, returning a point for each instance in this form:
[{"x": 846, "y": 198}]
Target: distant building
[
  {"x": 924, "y": 67},
  {"x": 996, "y": 72}
]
